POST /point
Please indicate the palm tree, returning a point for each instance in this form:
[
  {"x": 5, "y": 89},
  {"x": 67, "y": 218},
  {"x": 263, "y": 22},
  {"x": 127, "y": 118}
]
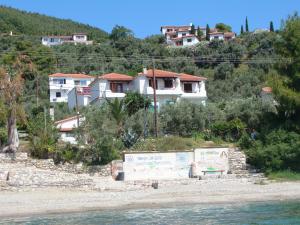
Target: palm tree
[{"x": 118, "y": 113}]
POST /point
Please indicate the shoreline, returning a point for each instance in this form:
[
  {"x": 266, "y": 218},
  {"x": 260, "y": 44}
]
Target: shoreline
[{"x": 53, "y": 201}]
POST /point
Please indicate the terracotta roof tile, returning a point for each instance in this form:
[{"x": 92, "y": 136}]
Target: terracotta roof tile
[
  {"x": 65, "y": 129},
  {"x": 267, "y": 89},
  {"x": 65, "y": 119},
  {"x": 188, "y": 77},
  {"x": 71, "y": 75},
  {"x": 116, "y": 77},
  {"x": 160, "y": 73}
]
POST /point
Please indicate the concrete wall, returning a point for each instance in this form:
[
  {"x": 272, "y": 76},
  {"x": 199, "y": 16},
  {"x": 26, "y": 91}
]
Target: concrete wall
[{"x": 174, "y": 165}]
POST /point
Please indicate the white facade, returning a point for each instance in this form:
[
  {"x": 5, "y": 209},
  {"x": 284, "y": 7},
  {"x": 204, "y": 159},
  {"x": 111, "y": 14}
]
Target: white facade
[
  {"x": 61, "y": 84},
  {"x": 83, "y": 97},
  {"x": 180, "y": 35},
  {"x": 172, "y": 89},
  {"x": 110, "y": 86},
  {"x": 58, "y": 40},
  {"x": 216, "y": 36},
  {"x": 66, "y": 128}
]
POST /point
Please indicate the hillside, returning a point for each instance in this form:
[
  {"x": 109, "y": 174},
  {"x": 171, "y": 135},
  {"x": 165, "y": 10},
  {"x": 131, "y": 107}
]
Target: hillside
[{"x": 22, "y": 22}]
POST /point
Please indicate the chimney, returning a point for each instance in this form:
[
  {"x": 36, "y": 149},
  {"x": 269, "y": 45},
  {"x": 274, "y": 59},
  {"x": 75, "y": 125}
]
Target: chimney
[{"x": 144, "y": 70}]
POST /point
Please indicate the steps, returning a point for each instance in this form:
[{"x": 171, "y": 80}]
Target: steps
[{"x": 239, "y": 167}]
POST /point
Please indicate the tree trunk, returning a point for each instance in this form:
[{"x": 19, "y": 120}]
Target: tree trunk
[{"x": 13, "y": 139}]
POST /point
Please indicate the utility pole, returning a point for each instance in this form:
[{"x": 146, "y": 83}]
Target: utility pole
[
  {"x": 37, "y": 91},
  {"x": 154, "y": 98},
  {"x": 77, "y": 108},
  {"x": 45, "y": 119}
]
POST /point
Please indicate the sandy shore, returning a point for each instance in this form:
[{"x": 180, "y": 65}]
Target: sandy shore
[{"x": 51, "y": 200}]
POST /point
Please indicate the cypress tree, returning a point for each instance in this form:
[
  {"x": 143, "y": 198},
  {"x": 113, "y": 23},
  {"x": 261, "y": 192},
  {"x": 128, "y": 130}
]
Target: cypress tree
[
  {"x": 199, "y": 33},
  {"x": 207, "y": 32},
  {"x": 271, "y": 26},
  {"x": 193, "y": 29},
  {"x": 247, "y": 27},
  {"x": 242, "y": 29}
]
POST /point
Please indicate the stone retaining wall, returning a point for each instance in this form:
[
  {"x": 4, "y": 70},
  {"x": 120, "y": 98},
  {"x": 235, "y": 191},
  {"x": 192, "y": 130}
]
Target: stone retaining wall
[{"x": 48, "y": 164}]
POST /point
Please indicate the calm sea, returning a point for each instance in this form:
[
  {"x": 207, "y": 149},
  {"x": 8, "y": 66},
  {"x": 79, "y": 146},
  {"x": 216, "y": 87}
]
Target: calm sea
[{"x": 254, "y": 213}]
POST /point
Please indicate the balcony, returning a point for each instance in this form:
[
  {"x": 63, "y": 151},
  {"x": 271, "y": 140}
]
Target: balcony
[{"x": 164, "y": 91}]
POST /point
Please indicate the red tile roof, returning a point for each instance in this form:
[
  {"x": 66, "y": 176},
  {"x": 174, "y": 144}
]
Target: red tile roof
[
  {"x": 65, "y": 119},
  {"x": 65, "y": 129},
  {"x": 229, "y": 34},
  {"x": 185, "y": 26},
  {"x": 160, "y": 73},
  {"x": 116, "y": 77},
  {"x": 267, "y": 89},
  {"x": 74, "y": 75},
  {"x": 188, "y": 77}
]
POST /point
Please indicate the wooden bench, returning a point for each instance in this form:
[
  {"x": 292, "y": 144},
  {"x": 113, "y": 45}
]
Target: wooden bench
[{"x": 213, "y": 171}]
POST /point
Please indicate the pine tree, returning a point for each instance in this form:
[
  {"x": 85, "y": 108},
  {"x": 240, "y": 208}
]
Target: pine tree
[
  {"x": 247, "y": 26},
  {"x": 207, "y": 32},
  {"x": 242, "y": 29},
  {"x": 271, "y": 26}
]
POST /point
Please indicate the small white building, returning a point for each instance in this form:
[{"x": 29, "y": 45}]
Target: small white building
[
  {"x": 221, "y": 36},
  {"x": 83, "y": 97},
  {"x": 110, "y": 86},
  {"x": 78, "y": 38},
  {"x": 188, "y": 40},
  {"x": 171, "y": 87},
  {"x": 60, "y": 84},
  {"x": 66, "y": 128}
]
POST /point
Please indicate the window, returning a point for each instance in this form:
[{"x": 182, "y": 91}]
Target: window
[
  {"x": 116, "y": 87},
  {"x": 58, "y": 94},
  {"x": 187, "y": 87},
  {"x": 183, "y": 34},
  {"x": 151, "y": 83},
  {"x": 216, "y": 37},
  {"x": 77, "y": 82},
  {"x": 69, "y": 134},
  {"x": 59, "y": 81},
  {"x": 189, "y": 40},
  {"x": 168, "y": 83},
  {"x": 83, "y": 82}
]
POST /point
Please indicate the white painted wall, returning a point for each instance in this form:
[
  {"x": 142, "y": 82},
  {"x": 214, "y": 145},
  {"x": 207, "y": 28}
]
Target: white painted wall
[
  {"x": 185, "y": 42},
  {"x": 216, "y": 37},
  {"x": 174, "y": 165},
  {"x": 65, "y": 88},
  {"x": 68, "y": 124}
]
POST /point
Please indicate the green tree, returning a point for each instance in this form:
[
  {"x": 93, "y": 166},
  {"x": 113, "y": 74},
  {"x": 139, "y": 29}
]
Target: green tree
[
  {"x": 120, "y": 32},
  {"x": 242, "y": 29},
  {"x": 207, "y": 32},
  {"x": 223, "y": 27},
  {"x": 286, "y": 86},
  {"x": 134, "y": 101},
  {"x": 199, "y": 33},
  {"x": 193, "y": 30},
  {"x": 247, "y": 25},
  {"x": 271, "y": 26},
  {"x": 118, "y": 113}
]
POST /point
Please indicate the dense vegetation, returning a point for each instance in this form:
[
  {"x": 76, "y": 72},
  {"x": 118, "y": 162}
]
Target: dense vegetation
[
  {"x": 266, "y": 128},
  {"x": 34, "y": 24}
]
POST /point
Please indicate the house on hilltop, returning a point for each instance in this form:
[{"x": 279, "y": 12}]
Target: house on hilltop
[{"x": 78, "y": 38}]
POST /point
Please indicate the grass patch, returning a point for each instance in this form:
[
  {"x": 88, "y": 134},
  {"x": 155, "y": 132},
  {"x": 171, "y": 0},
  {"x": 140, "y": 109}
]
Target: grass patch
[
  {"x": 170, "y": 143},
  {"x": 286, "y": 175}
]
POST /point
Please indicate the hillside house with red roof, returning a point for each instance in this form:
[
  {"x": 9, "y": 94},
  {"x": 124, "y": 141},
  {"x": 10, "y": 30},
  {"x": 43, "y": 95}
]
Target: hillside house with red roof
[
  {"x": 110, "y": 86},
  {"x": 60, "y": 84}
]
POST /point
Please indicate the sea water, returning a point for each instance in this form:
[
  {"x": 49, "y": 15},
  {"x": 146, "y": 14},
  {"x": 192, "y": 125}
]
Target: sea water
[{"x": 285, "y": 212}]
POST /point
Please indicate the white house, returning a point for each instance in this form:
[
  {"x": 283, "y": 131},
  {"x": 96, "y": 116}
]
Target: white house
[
  {"x": 60, "y": 84},
  {"x": 110, "y": 86},
  {"x": 78, "y": 38},
  {"x": 216, "y": 35},
  {"x": 171, "y": 87},
  {"x": 180, "y": 35},
  {"x": 83, "y": 97},
  {"x": 66, "y": 128}
]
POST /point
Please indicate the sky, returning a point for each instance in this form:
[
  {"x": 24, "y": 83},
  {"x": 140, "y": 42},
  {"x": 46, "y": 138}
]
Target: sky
[{"x": 145, "y": 17}]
